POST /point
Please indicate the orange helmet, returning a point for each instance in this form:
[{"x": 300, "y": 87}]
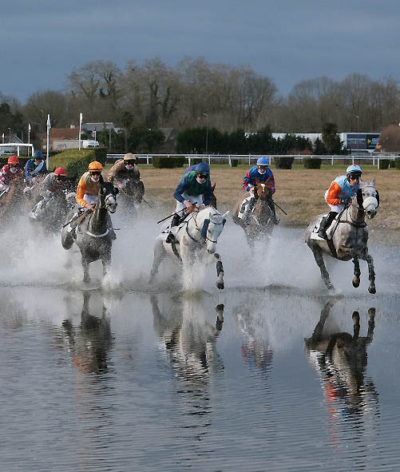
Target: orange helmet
[
  {"x": 95, "y": 166},
  {"x": 13, "y": 160},
  {"x": 60, "y": 171}
]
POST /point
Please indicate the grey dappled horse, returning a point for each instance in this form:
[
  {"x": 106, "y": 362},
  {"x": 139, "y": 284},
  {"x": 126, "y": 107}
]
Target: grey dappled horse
[
  {"x": 341, "y": 358},
  {"x": 349, "y": 236},
  {"x": 93, "y": 235},
  {"x": 196, "y": 239},
  {"x": 260, "y": 221}
]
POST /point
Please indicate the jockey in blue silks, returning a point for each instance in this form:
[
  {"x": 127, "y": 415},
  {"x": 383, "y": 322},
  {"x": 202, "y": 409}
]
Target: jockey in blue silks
[
  {"x": 339, "y": 194},
  {"x": 34, "y": 168},
  {"x": 263, "y": 173},
  {"x": 194, "y": 190}
]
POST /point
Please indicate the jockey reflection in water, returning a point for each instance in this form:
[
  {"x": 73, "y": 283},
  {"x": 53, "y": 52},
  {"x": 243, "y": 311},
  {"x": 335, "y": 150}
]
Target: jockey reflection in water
[
  {"x": 264, "y": 174},
  {"x": 87, "y": 195},
  {"x": 193, "y": 191}
]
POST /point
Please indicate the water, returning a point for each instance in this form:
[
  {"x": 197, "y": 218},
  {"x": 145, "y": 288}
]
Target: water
[{"x": 121, "y": 376}]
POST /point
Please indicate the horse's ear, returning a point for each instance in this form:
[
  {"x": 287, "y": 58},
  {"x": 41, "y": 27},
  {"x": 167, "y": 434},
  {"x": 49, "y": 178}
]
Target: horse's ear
[
  {"x": 359, "y": 197},
  {"x": 225, "y": 214},
  {"x": 213, "y": 187},
  {"x": 373, "y": 182},
  {"x": 116, "y": 190}
]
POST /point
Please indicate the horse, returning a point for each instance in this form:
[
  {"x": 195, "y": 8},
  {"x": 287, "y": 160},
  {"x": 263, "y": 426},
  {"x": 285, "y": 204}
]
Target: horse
[
  {"x": 93, "y": 236},
  {"x": 131, "y": 195},
  {"x": 348, "y": 235},
  {"x": 260, "y": 222},
  {"x": 196, "y": 238},
  {"x": 52, "y": 212},
  {"x": 341, "y": 358}
]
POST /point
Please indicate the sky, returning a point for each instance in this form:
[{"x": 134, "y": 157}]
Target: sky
[{"x": 285, "y": 40}]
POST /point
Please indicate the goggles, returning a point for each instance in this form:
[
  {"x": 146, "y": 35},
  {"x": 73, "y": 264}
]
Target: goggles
[
  {"x": 95, "y": 173},
  {"x": 61, "y": 177},
  {"x": 202, "y": 176},
  {"x": 13, "y": 165},
  {"x": 354, "y": 177},
  {"x": 130, "y": 163}
]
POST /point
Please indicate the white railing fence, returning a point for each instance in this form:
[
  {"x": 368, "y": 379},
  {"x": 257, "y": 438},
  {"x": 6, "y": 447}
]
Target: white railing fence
[{"x": 252, "y": 158}]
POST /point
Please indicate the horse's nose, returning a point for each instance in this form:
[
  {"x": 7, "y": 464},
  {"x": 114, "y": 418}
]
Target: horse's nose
[{"x": 371, "y": 213}]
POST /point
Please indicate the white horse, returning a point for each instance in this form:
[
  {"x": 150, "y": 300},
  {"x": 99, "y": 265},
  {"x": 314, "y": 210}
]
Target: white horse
[
  {"x": 196, "y": 239},
  {"x": 347, "y": 236}
]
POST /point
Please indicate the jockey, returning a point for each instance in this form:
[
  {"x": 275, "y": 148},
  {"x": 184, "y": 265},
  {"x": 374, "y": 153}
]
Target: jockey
[
  {"x": 35, "y": 168},
  {"x": 339, "y": 195},
  {"x": 194, "y": 189},
  {"x": 10, "y": 174},
  {"x": 54, "y": 183},
  {"x": 125, "y": 170},
  {"x": 264, "y": 174},
  {"x": 87, "y": 194}
]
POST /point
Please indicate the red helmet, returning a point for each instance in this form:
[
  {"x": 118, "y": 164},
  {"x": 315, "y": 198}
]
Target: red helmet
[
  {"x": 13, "y": 160},
  {"x": 60, "y": 171}
]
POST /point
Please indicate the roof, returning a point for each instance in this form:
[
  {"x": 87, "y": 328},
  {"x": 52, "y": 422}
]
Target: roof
[{"x": 64, "y": 133}]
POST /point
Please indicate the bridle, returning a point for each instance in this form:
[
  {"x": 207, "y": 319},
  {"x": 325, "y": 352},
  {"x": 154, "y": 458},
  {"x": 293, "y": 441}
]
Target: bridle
[{"x": 204, "y": 230}]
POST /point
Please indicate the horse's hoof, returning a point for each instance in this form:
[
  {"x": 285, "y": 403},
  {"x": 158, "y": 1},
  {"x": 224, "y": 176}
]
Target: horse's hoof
[
  {"x": 356, "y": 282},
  {"x": 372, "y": 289},
  {"x": 220, "y": 285}
]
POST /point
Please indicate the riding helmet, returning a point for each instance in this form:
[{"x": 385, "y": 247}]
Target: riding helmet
[
  {"x": 60, "y": 171},
  {"x": 354, "y": 171},
  {"x": 13, "y": 160},
  {"x": 38, "y": 155},
  {"x": 262, "y": 161},
  {"x": 95, "y": 166},
  {"x": 129, "y": 157},
  {"x": 202, "y": 168}
]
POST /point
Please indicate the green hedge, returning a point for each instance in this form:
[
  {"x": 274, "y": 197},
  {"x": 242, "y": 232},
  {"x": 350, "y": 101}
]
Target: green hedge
[
  {"x": 384, "y": 163},
  {"x": 76, "y": 161},
  {"x": 234, "y": 162},
  {"x": 283, "y": 162},
  {"x": 312, "y": 162},
  {"x": 397, "y": 163},
  {"x": 168, "y": 162}
]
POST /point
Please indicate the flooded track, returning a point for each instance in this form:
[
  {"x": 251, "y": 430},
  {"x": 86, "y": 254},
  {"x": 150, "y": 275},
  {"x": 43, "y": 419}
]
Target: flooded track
[{"x": 271, "y": 373}]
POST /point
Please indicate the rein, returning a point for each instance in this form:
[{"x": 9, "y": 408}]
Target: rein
[{"x": 204, "y": 230}]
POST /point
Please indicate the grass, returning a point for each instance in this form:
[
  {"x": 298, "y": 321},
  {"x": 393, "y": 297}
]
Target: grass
[{"x": 300, "y": 192}]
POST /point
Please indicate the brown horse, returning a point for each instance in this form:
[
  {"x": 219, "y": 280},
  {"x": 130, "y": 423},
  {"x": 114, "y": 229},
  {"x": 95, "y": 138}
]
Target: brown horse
[{"x": 260, "y": 223}]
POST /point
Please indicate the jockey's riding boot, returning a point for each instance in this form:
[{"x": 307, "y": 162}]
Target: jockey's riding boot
[
  {"x": 176, "y": 219},
  {"x": 275, "y": 220},
  {"x": 325, "y": 223}
]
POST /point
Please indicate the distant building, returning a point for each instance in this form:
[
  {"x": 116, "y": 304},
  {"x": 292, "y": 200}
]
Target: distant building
[{"x": 63, "y": 138}]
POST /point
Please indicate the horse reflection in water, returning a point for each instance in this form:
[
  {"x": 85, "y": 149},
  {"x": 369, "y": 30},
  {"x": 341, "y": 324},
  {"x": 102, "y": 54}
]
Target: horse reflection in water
[
  {"x": 91, "y": 341},
  {"x": 255, "y": 349},
  {"x": 189, "y": 342},
  {"x": 341, "y": 359}
]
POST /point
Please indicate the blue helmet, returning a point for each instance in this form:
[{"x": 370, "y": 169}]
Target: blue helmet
[
  {"x": 38, "y": 155},
  {"x": 354, "y": 171},
  {"x": 202, "y": 168},
  {"x": 262, "y": 161}
]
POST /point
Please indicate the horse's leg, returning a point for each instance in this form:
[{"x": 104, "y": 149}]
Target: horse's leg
[
  {"x": 159, "y": 253},
  {"x": 371, "y": 324},
  {"x": 220, "y": 272},
  {"x": 356, "y": 325},
  {"x": 106, "y": 261},
  {"x": 319, "y": 259},
  {"x": 357, "y": 272},
  {"x": 85, "y": 265},
  {"x": 367, "y": 257}
]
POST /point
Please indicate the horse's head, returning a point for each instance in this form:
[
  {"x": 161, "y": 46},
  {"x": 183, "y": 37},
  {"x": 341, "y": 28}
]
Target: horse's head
[
  {"x": 211, "y": 224},
  {"x": 107, "y": 194},
  {"x": 262, "y": 190},
  {"x": 368, "y": 198}
]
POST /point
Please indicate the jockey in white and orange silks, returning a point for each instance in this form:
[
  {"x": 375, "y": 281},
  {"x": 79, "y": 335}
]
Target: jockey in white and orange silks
[{"x": 339, "y": 194}]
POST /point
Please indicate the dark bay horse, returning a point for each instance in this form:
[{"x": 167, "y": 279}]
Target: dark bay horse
[
  {"x": 348, "y": 235},
  {"x": 260, "y": 223},
  {"x": 93, "y": 232},
  {"x": 341, "y": 358}
]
